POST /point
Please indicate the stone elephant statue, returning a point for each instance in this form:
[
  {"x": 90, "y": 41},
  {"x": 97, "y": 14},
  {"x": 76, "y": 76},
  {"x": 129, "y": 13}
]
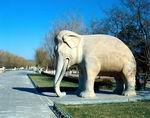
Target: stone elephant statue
[{"x": 94, "y": 54}]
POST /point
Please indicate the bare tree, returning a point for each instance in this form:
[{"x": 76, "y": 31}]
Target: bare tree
[
  {"x": 10, "y": 60},
  {"x": 41, "y": 58},
  {"x": 140, "y": 11},
  {"x": 68, "y": 22},
  {"x": 130, "y": 22}
]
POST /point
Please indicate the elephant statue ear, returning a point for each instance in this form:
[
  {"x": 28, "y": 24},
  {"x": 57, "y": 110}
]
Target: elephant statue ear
[{"x": 72, "y": 39}]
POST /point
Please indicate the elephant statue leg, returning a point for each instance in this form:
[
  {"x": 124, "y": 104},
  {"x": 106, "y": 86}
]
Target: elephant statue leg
[
  {"x": 92, "y": 71},
  {"x": 129, "y": 74},
  {"x": 81, "y": 86},
  {"x": 119, "y": 85}
]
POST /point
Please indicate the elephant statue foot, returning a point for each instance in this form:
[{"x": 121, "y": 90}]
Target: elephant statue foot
[
  {"x": 118, "y": 91},
  {"x": 78, "y": 91},
  {"x": 129, "y": 93},
  {"x": 119, "y": 85},
  {"x": 87, "y": 94}
]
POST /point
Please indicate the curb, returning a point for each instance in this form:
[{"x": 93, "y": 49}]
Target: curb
[
  {"x": 35, "y": 86},
  {"x": 60, "y": 113}
]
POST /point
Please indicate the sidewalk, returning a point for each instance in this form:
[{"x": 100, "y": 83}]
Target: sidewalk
[{"x": 19, "y": 99}]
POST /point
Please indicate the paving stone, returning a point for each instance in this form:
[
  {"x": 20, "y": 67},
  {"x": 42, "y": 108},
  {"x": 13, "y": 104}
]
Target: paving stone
[{"x": 19, "y": 99}]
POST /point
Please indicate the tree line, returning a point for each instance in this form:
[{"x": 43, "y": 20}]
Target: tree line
[
  {"x": 9, "y": 60},
  {"x": 129, "y": 21}
]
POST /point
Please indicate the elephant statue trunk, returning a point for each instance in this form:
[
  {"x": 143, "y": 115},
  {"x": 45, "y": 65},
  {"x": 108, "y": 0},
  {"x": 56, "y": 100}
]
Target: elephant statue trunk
[{"x": 60, "y": 71}]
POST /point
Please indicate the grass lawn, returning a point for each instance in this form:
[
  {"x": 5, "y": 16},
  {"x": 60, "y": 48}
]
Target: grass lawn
[
  {"x": 115, "y": 110},
  {"x": 43, "y": 81},
  {"x": 118, "y": 110},
  {"x": 46, "y": 82}
]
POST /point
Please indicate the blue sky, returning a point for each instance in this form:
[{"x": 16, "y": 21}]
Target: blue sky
[{"x": 24, "y": 23}]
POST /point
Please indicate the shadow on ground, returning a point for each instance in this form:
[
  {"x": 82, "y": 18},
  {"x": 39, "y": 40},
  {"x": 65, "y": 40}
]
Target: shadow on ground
[
  {"x": 32, "y": 90},
  {"x": 68, "y": 90}
]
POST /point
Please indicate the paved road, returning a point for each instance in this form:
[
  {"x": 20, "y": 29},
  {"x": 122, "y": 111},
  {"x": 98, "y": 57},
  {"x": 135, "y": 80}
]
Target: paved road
[{"x": 18, "y": 98}]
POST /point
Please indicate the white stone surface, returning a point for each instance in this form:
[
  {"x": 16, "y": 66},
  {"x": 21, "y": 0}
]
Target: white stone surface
[{"x": 103, "y": 96}]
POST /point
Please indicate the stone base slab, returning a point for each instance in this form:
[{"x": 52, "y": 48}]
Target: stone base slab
[{"x": 101, "y": 97}]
